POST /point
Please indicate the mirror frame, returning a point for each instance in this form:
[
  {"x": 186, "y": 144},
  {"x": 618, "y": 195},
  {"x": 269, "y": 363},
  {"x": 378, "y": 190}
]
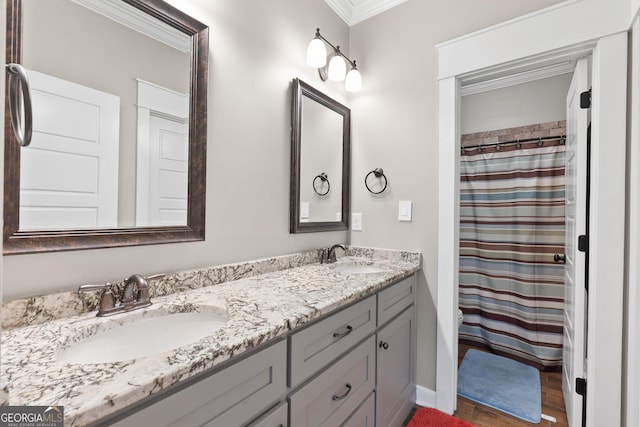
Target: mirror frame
[
  {"x": 20, "y": 242},
  {"x": 299, "y": 90}
]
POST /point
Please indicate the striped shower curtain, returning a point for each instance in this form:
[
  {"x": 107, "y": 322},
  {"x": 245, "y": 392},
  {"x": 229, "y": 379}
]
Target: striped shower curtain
[{"x": 511, "y": 225}]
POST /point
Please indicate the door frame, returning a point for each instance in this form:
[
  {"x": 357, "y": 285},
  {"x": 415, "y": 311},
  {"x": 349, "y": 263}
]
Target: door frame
[
  {"x": 152, "y": 99},
  {"x": 606, "y": 269}
]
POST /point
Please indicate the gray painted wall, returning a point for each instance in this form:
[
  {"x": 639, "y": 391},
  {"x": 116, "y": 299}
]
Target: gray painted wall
[
  {"x": 529, "y": 103},
  {"x": 395, "y": 127},
  {"x": 257, "y": 48}
]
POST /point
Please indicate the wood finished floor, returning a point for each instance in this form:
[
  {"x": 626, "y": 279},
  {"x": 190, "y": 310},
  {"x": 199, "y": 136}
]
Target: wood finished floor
[{"x": 482, "y": 416}]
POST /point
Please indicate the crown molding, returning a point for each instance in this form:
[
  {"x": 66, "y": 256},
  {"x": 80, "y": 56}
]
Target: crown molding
[
  {"x": 544, "y": 72},
  {"x": 355, "y": 11},
  {"x": 139, "y": 21}
]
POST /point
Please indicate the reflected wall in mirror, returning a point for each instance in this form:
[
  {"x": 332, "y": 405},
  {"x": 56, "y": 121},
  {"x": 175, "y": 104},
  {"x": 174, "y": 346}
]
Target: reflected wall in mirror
[
  {"x": 320, "y": 161},
  {"x": 119, "y": 110}
]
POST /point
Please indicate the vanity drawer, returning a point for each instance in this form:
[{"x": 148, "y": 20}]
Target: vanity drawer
[
  {"x": 232, "y": 396},
  {"x": 365, "y": 415},
  {"x": 318, "y": 345},
  {"x": 396, "y": 298},
  {"x": 276, "y": 417},
  {"x": 332, "y": 397}
]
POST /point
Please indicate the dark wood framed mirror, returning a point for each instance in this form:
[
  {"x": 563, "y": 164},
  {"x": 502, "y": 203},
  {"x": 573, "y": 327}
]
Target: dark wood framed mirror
[
  {"x": 130, "y": 228},
  {"x": 320, "y": 161}
]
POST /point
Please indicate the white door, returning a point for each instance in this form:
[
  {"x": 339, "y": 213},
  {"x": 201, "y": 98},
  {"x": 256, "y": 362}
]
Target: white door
[
  {"x": 168, "y": 165},
  {"x": 575, "y": 304},
  {"x": 69, "y": 173},
  {"x": 162, "y": 156}
]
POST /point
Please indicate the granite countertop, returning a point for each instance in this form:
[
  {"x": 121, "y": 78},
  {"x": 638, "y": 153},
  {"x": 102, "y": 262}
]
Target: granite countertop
[{"x": 259, "y": 308}]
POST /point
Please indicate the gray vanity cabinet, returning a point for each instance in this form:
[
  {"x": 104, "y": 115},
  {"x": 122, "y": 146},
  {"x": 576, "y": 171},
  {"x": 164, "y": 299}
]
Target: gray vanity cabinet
[
  {"x": 233, "y": 396},
  {"x": 351, "y": 368}
]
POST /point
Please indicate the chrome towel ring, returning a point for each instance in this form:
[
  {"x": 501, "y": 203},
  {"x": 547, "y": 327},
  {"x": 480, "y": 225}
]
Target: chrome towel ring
[
  {"x": 18, "y": 76},
  {"x": 323, "y": 178},
  {"x": 378, "y": 173}
]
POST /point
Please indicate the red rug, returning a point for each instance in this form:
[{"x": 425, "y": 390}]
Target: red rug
[{"x": 429, "y": 417}]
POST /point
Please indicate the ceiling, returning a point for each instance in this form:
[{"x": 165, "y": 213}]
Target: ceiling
[{"x": 355, "y": 11}]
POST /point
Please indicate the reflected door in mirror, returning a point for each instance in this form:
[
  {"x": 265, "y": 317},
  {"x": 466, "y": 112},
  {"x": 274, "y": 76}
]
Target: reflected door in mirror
[
  {"x": 119, "y": 153},
  {"x": 106, "y": 47},
  {"x": 320, "y": 153},
  {"x": 69, "y": 173}
]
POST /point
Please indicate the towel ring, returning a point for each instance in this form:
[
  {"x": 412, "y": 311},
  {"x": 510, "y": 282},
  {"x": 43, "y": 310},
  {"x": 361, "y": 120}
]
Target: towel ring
[
  {"x": 323, "y": 178},
  {"x": 18, "y": 80},
  {"x": 377, "y": 172}
]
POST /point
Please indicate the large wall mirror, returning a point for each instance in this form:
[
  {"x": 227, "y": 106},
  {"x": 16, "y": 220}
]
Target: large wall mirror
[
  {"x": 320, "y": 161},
  {"x": 119, "y": 99}
]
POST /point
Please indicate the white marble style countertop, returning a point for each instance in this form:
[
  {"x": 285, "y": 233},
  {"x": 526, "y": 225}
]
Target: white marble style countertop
[{"x": 259, "y": 309}]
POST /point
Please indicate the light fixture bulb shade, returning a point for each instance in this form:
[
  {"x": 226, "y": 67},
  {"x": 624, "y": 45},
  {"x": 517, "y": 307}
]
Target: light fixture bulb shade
[
  {"x": 353, "y": 82},
  {"x": 316, "y": 53},
  {"x": 337, "y": 69}
]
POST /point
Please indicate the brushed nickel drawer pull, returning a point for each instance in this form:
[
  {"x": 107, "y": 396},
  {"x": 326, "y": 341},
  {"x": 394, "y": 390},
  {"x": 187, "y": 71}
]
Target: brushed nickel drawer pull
[
  {"x": 343, "y": 334},
  {"x": 342, "y": 396}
]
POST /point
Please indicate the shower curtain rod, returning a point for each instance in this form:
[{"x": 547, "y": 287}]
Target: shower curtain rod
[{"x": 516, "y": 141}]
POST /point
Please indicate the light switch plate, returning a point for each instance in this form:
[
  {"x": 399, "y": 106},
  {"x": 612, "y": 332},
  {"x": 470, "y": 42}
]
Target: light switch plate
[
  {"x": 304, "y": 210},
  {"x": 404, "y": 210},
  {"x": 356, "y": 222}
]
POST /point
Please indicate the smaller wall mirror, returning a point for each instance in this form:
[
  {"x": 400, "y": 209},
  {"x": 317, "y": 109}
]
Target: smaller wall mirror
[{"x": 320, "y": 161}]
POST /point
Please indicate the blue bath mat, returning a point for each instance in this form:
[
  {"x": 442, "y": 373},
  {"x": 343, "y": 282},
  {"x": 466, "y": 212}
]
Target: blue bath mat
[{"x": 500, "y": 383}]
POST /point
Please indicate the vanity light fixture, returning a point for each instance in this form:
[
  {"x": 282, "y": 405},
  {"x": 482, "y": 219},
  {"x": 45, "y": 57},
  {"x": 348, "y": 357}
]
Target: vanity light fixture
[{"x": 336, "y": 70}]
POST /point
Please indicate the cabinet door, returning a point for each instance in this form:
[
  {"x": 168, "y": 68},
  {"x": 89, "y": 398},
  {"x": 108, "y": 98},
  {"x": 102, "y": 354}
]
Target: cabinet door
[{"x": 395, "y": 393}]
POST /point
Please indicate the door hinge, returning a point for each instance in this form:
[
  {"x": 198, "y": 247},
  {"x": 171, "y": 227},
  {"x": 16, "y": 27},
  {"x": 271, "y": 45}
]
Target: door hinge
[
  {"x": 581, "y": 386},
  {"x": 583, "y": 243},
  {"x": 585, "y": 99}
]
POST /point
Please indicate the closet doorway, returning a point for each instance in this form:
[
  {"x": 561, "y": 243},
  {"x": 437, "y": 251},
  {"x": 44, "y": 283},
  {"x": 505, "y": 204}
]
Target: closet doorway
[
  {"x": 604, "y": 342},
  {"x": 518, "y": 298}
]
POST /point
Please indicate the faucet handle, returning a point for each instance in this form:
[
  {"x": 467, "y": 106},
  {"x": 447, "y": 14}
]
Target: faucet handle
[
  {"x": 95, "y": 287},
  {"x": 107, "y": 299},
  {"x": 324, "y": 255}
]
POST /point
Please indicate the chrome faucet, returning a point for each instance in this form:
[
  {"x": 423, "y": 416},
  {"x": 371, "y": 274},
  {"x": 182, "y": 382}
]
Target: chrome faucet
[
  {"x": 134, "y": 295},
  {"x": 329, "y": 255}
]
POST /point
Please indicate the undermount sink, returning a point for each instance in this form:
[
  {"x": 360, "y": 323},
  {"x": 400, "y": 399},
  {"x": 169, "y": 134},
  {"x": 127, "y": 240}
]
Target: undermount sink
[
  {"x": 357, "y": 269},
  {"x": 143, "y": 337}
]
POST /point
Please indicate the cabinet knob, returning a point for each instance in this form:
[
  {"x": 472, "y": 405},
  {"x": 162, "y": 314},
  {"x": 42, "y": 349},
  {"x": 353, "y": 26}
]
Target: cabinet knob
[{"x": 384, "y": 345}]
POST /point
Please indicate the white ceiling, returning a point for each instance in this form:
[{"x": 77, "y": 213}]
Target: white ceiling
[{"x": 354, "y": 11}]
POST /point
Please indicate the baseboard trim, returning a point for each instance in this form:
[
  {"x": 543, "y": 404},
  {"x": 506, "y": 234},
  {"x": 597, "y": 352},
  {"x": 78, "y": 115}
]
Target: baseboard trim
[{"x": 425, "y": 397}]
